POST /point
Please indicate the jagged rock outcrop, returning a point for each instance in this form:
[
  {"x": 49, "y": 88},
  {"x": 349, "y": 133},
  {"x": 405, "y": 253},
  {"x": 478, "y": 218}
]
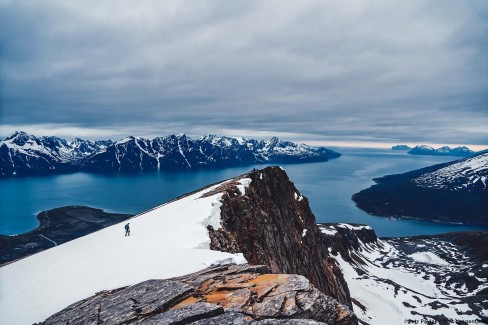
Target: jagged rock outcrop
[
  {"x": 232, "y": 294},
  {"x": 347, "y": 239},
  {"x": 272, "y": 224}
]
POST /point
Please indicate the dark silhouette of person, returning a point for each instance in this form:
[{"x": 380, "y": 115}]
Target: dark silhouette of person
[{"x": 127, "y": 230}]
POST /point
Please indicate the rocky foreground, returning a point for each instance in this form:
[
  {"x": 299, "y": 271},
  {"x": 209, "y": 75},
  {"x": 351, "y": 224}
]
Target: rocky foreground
[
  {"x": 272, "y": 224},
  {"x": 233, "y": 294}
]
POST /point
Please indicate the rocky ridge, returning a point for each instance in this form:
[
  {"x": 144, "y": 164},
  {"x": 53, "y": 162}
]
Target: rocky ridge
[
  {"x": 232, "y": 294},
  {"x": 271, "y": 223}
]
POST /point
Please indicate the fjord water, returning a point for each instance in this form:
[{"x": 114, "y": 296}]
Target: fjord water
[{"x": 328, "y": 186}]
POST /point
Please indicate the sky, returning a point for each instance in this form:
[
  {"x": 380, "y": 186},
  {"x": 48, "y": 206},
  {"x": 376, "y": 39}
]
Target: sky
[{"x": 365, "y": 73}]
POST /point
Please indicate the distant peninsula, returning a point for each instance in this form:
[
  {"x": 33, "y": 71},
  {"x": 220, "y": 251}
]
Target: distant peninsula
[{"x": 455, "y": 191}]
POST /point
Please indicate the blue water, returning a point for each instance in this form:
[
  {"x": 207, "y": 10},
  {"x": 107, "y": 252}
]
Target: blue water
[{"x": 329, "y": 187}]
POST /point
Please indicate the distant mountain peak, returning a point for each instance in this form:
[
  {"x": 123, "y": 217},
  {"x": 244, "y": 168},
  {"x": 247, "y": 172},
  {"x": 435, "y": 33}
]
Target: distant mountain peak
[
  {"x": 19, "y": 137},
  {"x": 125, "y": 140},
  {"x": 16, "y": 134}
]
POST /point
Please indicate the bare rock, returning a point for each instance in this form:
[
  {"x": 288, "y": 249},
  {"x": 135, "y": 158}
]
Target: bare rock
[
  {"x": 232, "y": 294},
  {"x": 200, "y": 310},
  {"x": 272, "y": 224}
]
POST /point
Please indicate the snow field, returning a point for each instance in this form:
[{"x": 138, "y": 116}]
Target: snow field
[
  {"x": 384, "y": 301},
  {"x": 170, "y": 240}
]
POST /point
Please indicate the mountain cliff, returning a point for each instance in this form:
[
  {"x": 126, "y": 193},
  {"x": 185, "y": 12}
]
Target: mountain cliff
[
  {"x": 271, "y": 223},
  {"x": 24, "y": 154},
  {"x": 455, "y": 192}
]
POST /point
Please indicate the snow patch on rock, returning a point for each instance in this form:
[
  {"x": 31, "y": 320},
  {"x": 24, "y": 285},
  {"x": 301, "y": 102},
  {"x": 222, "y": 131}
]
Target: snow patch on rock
[
  {"x": 428, "y": 257},
  {"x": 243, "y": 183}
]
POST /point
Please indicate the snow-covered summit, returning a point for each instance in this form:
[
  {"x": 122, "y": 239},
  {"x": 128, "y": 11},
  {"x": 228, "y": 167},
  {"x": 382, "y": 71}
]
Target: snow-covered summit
[
  {"x": 167, "y": 241},
  {"x": 465, "y": 174},
  {"x": 57, "y": 148}
]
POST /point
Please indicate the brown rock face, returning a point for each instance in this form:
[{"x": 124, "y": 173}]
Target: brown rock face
[
  {"x": 233, "y": 294},
  {"x": 272, "y": 224}
]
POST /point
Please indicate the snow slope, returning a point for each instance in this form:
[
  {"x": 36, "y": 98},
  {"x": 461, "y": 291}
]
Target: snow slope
[
  {"x": 167, "y": 241},
  {"x": 463, "y": 174},
  {"x": 396, "y": 281}
]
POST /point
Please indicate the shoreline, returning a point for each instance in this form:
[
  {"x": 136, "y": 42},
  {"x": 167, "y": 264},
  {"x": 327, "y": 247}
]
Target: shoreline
[{"x": 56, "y": 226}]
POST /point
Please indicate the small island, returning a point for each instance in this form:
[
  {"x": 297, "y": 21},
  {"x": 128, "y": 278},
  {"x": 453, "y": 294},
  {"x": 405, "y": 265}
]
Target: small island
[
  {"x": 57, "y": 226},
  {"x": 401, "y": 147}
]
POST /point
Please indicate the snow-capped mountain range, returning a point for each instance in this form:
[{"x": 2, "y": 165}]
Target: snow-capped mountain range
[
  {"x": 24, "y": 154},
  {"x": 461, "y": 151}
]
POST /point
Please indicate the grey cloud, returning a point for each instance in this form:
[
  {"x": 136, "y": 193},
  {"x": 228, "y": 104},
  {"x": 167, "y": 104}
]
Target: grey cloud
[{"x": 322, "y": 70}]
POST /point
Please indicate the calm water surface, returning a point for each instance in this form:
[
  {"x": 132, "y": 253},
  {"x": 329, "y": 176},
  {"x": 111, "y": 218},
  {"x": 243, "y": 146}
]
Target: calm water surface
[{"x": 329, "y": 187}]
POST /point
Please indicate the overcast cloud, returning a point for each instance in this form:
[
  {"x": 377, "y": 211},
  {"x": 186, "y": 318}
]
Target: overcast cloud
[{"x": 364, "y": 71}]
